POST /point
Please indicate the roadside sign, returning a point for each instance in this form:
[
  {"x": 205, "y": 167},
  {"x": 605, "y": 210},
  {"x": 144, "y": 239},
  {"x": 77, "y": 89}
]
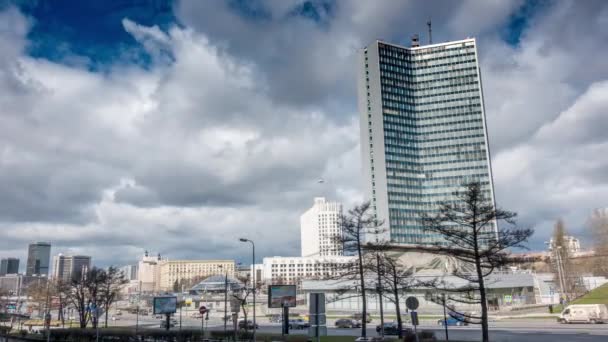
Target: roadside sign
[
  {"x": 322, "y": 331},
  {"x": 412, "y": 303},
  {"x": 316, "y": 305},
  {"x": 415, "y": 318},
  {"x": 318, "y": 319},
  {"x": 317, "y": 316},
  {"x": 202, "y": 310},
  {"x": 235, "y": 305}
]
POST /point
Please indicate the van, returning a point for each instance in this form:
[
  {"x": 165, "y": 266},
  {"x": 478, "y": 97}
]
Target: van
[{"x": 584, "y": 313}]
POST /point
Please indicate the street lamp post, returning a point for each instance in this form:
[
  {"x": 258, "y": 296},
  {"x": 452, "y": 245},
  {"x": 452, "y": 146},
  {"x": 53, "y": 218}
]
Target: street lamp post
[
  {"x": 225, "y": 300},
  {"x": 253, "y": 280},
  {"x": 181, "y": 304}
]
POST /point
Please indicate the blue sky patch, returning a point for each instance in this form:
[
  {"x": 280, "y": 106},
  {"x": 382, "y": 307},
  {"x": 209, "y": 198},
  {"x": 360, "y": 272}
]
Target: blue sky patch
[
  {"x": 520, "y": 20},
  {"x": 91, "y": 32}
]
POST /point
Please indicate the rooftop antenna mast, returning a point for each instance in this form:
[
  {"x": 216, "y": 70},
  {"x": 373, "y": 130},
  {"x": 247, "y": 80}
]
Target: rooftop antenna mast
[{"x": 428, "y": 23}]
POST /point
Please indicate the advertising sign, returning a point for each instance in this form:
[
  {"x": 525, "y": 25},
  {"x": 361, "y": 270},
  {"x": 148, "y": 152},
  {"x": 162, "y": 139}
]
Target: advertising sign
[
  {"x": 281, "y": 296},
  {"x": 318, "y": 320},
  {"x": 165, "y": 305}
]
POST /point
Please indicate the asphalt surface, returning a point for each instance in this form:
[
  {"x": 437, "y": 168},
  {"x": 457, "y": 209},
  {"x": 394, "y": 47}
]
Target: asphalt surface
[{"x": 518, "y": 330}]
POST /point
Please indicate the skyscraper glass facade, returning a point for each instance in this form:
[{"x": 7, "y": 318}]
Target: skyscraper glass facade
[
  {"x": 38, "y": 258},
  {"x": 423, "y": 131}
]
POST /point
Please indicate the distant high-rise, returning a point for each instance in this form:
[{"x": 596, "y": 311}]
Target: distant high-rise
[
  {"x": 423, "y": 131},
  {"x": 9, "y": 266},
  {"x": 67, "y": 268},
  {"x": 319, "y": 227},
  {"x": 38, "y": 258},
  {"x": 130, "y": 272}
]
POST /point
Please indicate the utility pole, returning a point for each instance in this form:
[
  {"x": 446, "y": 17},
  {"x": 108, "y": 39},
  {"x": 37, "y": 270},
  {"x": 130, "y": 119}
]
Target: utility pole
[
  {"x": 445, "y": 317},
  {"x": 560, "y": 270},
  {"x": 181, "y": 304},
  {"x": 226, "y": 302},
  {"x": 137, "y": 309}
]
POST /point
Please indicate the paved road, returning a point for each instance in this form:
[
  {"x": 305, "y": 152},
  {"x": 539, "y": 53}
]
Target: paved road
[
  {"x": 499, "y": 332},
  {"x": 531, "y": 330}
]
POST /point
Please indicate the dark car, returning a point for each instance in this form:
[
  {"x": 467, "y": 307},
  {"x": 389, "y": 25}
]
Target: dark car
[
  {"x": 391, "y": 328},
  {"x": 347, "y": 323},
  {"x": 359, "y": 317},
  {"x": 298, "y": 324},
  {"x": 248, "y": 326},
  {"x": 172, "y": 323}
]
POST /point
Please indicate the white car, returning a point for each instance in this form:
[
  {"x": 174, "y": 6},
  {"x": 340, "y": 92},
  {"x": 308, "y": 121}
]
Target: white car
[{"x": 584, "y": 313}]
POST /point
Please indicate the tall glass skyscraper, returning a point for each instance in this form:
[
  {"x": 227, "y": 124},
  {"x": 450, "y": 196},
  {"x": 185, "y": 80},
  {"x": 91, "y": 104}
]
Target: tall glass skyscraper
[
  {"x": 38, "y": 258},
  {"x": 423, "y": 131}
]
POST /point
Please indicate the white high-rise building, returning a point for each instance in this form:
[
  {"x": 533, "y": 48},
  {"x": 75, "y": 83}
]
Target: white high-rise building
[
  {"x": 319, "y": 226},
  {"x": 148, "y": 273}
]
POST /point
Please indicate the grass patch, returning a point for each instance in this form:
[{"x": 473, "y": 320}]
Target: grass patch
[{"x": 595, "y": 296}]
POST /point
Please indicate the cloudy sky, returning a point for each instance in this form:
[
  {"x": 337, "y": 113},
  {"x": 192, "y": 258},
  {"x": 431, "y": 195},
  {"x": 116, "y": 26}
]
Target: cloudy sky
[{"x": 178, "y": 127}]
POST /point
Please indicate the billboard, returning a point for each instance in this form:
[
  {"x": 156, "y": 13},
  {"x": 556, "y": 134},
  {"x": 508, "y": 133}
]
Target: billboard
[
  {"x": 165, "y": 305},
  {"x": 281, "y": 296}
]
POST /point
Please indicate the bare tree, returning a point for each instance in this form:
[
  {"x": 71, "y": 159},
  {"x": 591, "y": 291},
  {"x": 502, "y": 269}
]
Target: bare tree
[
  {"x": 561, "y": 258},
  {"x": 38, "y": 293},
  {"x": 111, "y": 283},
  {"x": 61, "y": 290},
  {"x": 598, "y": 224},
  {"x": 358, "y": 227},
  {"x": 468, "y": 231},
  {"x": 85, "y": 294},
  {"x": 241, "y": 297},
  {"x": 397, "y": 280}
]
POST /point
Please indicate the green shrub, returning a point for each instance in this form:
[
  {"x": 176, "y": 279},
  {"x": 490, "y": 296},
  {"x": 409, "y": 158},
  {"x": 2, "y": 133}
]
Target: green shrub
[
  {"x": 4, "y": 330},
  {"x": 124, "y": 334}
]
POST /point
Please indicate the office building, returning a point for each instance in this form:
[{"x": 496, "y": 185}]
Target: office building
[
  {"x": 130, "y": 272},
  {"x": 423, "y": 131},
  {"x": 171, "y": 271},
  {"x": 320, "y": 227},
  {"x": 291, "y": 270},
  {"x": 9, "y": 266},
  {"x": 148, "y": 272},
  {"x": 17, "y": 284},
  {"x": 69, "y": 267},
  {"x": 572, "y": 244},
  {"x": 38, "y": 259}
]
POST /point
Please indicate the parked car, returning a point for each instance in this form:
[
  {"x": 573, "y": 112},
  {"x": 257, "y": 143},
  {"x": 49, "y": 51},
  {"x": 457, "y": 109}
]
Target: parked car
[
  {"x": 347, "y": 323},
  {"x": 391, "y": 328},
  {"x": 584, "y": 313},
  {"x": 275, "y": 318},
  {"x": 172, "y": 323},
  {"x": 298, "y": 324},
  {"x": 249, "y": 325},
  {"x": 457, "y": 320},
  {"x": 359, "y": 317}
]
